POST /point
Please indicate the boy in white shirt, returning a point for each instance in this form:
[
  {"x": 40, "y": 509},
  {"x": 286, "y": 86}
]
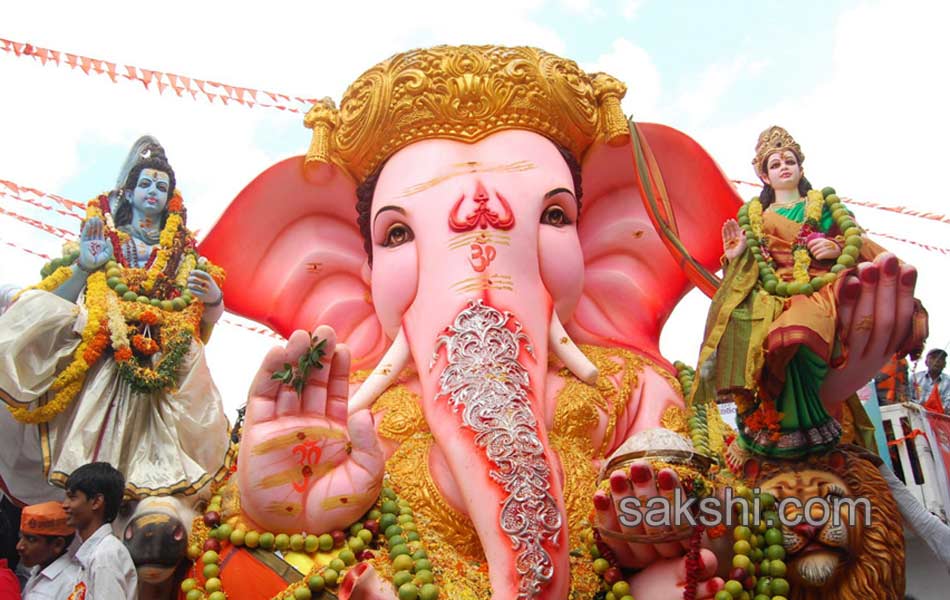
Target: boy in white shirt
[
  {"x": 93, "y": 495},
  {"x": 44, "y": 544}
]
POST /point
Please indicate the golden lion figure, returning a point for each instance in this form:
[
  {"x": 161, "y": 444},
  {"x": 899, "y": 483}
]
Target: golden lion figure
[{"x": 853, "y": 557}]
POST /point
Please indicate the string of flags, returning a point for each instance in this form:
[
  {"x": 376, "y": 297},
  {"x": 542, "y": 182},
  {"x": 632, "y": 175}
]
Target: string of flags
[
  {"x": 903, "y": 210},
  {"x": 153, "y": 80}
]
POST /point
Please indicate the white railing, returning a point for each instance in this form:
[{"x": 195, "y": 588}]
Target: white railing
[{"x": 912, "y": 456}]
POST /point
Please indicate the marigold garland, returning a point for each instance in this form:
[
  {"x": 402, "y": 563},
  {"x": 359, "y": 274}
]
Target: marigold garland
[
  {"x": 50, "y": 282},
  {"x": 116, "y": 302},
  {"x": 70, "y": 381},
  {"x": 751, "y": 220}
]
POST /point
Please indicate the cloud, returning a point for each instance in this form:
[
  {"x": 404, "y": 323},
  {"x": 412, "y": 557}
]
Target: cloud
[
  {"x": 302, "y": 48},
  {"x": 631, "y": 8},
  {"x": 632, "y": 64},
  {"x": 705, "y": 93},
  {"x": 874, "y": 128}
]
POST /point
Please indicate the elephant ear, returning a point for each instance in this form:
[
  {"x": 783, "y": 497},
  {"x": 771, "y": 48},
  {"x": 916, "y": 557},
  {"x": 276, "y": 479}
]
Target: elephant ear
[
  {"x": 294, "y": 256},
  {"x": 650, "y": 228}
]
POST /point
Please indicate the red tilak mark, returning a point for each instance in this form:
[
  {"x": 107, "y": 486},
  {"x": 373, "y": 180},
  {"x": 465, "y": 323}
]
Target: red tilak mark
[
  {"x": 482, "y": 216},
  {"x": 300, "y": 435},
  {"x": 482, "y": 256},
  {"x": 344, "y": 500}
]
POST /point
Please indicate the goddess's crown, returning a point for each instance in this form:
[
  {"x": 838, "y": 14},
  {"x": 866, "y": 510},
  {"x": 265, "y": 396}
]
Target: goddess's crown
[
  {"x": 464, "y": 93},
  {"x": 772, "y": 140}
]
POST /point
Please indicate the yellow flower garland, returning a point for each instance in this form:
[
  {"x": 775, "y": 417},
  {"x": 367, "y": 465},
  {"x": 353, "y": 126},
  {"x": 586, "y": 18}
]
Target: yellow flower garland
[
  {"x": 69, "y": 382},
  {"x": 188, "y": 263},
  {"x": 165, "y": 240},
  {"x": 755, "y": 217},
  {"x": 56, "y": 279},
  {"x": 802, "y": 262},
  {"x": 814, "y": 205},
  {"x": 751, "y": 221}
]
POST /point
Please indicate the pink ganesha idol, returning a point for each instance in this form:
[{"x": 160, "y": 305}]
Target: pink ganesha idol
[{"x": 467, "y": 266}]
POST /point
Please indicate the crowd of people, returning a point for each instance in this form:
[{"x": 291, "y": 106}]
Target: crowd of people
[
  {"x": 929, "y": 387},
  {"x": 69, "y": 548}
]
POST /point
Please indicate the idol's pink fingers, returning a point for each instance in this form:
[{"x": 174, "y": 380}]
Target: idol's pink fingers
[
  {"x": 338, "y": 390},
  {"x": 629, "y": 509},
  {"x": 848, "y": 295},
  {"x": 645, "y": 486},
  {"x": 315, "y": 389},
  {"x": 862, "y": 323},
  {"x": 885, "y": 306},
  {"x": 606, "y": 516},
  {"x": 262, "y": 397},
  {"x": 905, "y": 307},
  {"x": 288, "y": 401}
]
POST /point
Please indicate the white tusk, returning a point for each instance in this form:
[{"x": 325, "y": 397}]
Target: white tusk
[
  {"x": 383, "y": 375},
  {"x": 566, "y": 350}
]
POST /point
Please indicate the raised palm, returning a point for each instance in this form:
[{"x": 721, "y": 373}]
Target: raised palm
[
  {"x": 94, "y": 249},
  {"x": 733, "y": 241},
  {"x": 303, "y": 464}
]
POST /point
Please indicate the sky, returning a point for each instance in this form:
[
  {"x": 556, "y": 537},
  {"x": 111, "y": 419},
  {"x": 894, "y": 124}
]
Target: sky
[{"x": 863, "y": 86}]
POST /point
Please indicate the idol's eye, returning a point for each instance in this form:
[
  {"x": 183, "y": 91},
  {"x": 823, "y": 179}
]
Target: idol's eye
[
  {"x": 397, "y": 235},
  {"x": 555, "y": 215},
  {"x": 144, "y": 183},
  {"x": 162, "y": 186},
  {"x": 834, "y": 491}
]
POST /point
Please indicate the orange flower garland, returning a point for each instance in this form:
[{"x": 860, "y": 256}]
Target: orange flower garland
[
  {"x": 145, "y": 345},
  {"x": 766, "y": 418},
  {"x": 115, "y": 304},
  {"x": 70, "y": 381}
]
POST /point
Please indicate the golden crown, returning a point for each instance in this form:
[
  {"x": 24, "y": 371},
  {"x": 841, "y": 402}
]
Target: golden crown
[
  {"x": 772, "y": 140},
  {"x": 464, "y": 93}
]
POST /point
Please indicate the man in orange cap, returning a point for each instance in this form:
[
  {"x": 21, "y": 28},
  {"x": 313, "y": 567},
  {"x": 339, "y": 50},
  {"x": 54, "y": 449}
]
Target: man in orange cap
[{"x": 44, "y": 544}]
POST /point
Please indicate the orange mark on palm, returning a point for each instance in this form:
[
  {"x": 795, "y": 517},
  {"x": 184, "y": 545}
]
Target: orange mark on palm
[{"x": 307, "y": 453}]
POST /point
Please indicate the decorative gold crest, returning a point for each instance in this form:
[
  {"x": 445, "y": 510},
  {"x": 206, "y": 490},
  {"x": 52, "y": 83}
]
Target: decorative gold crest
[
  {"x": 464, "y": 93},
  {"x": 774, "y": 139}
]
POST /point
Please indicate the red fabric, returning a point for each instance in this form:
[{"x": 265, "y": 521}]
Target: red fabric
[
  {"x": 243, "y": 577},
  {"x": 934, "y": 403},
  {"x": 940, "y": 426},
  {"x": 9, "y": 586}
]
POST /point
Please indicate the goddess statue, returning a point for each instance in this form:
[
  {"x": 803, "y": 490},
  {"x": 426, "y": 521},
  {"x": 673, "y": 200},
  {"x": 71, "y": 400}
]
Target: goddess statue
[
  {"x": 103, "y": 359},
  {"x": 775, "y": 329}
]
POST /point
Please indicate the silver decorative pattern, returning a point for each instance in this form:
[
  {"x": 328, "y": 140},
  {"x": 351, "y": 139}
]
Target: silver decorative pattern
[{"x": 484, "y": 378}]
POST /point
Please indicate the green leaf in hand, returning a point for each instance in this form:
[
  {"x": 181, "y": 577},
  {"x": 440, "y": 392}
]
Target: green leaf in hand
[{"x": 284, "y": 375}]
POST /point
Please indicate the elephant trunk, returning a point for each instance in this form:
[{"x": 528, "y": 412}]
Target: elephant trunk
[{"x": 482, "y": 397}]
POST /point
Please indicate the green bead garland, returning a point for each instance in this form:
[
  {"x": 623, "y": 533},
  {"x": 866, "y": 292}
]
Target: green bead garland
[
  {"x": 65, "y": 261},
  {"x": 758, "y": 562},
  {"x": 768, "y": 278},
  {"x": 414, "y": 579}
]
